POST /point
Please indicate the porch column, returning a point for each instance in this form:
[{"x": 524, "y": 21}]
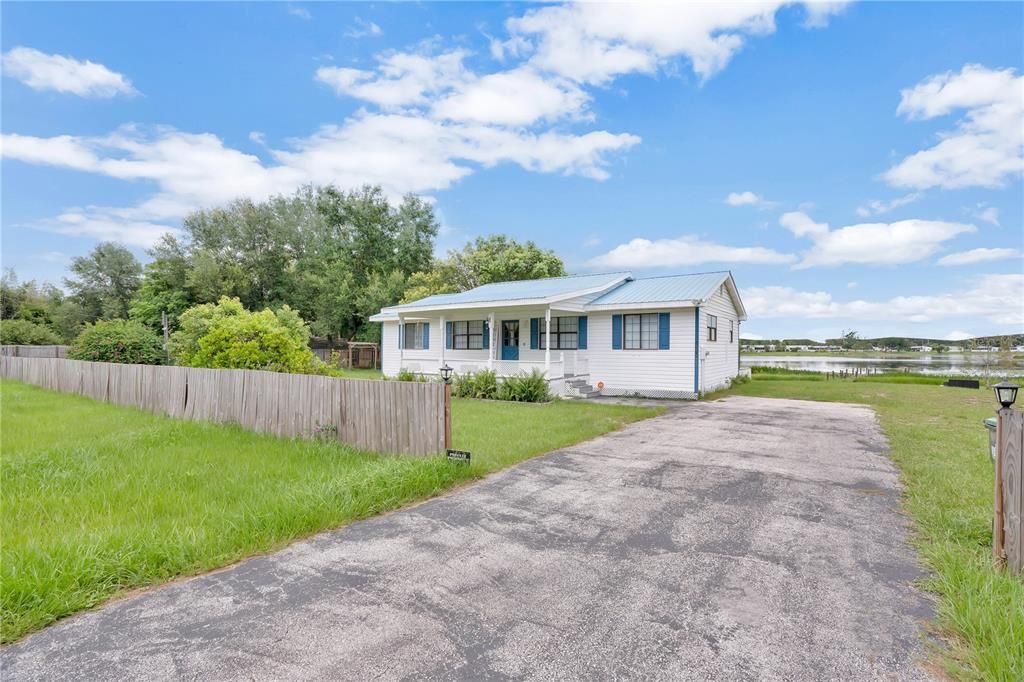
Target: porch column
[
  {"x": 444, "y": 341},
  {"x": 401, "y": 346},
  {"x": 547, "y": 340},
  {"x": 491, "y": 345}
]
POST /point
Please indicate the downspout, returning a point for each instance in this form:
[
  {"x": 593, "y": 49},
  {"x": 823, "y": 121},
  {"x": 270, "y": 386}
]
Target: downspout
[{"x": 696, "y": 350}]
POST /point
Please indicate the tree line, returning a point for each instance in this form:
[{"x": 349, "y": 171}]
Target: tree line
[{"x": 333, "y": 257}]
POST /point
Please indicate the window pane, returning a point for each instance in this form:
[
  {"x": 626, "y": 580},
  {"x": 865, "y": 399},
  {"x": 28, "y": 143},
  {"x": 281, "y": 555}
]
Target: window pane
[
  {"x": 460, "y": 341},
  {"x": 476, "y": 327},
  {"x": 543, "y": 340},
  {"x": 460, "y": 327},
  {"x": 632, "y": 331},
  {"x": 476, "y": 341},
  {"x": 567, "y": 340},
  {"x": 567, "y": 324}
]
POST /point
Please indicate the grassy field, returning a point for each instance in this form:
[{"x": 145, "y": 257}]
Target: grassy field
[
  {"x": 941, "y": 448},
  {"x": 98, "y": 499}
]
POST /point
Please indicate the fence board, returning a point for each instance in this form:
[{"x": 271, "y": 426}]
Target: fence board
[
  {"x": 385, "y": 416},
  {"x": 34, "y": 351}
]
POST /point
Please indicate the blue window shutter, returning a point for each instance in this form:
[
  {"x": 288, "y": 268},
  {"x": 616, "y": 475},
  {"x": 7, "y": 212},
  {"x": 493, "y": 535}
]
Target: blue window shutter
[
  {"x": 487, "y": 334},
  {"x": 582, "y": 328},
  {"x": 448, "y": 335},
  {"x": 534, "y": 333},
  {"x": 401, "y": 335},
  {"x": 426, "y": 336},
  {"x": 663, "y": 331},
  {"x": 616, "y": 332}
]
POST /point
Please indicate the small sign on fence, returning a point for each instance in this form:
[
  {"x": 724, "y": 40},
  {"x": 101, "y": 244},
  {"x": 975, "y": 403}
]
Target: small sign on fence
[{"x": 458, "y": 456}]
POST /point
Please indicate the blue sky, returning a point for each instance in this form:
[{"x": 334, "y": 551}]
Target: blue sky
[{"x": 857, "y": 166}]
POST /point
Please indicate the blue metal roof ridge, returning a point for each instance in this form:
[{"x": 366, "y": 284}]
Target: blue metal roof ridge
[
  {"x": 527, "y": 289},
  {"x": 663, "y": 288}
]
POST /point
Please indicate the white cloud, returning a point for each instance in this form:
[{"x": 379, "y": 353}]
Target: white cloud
[
  {"x": 819, "y": 12},
  {"x": 517, "y": 97},
  {"x": 364, "y": 29},
  {"x": 41, "y": 71},
  {"x": 989, "y": 215},
  {"x": 401, "y": 78},
  {"x": 904, "y": 241},
  {"x": 978, "y": 256},
  {"x": 957, "y": 335},
  {"x": 687, "y": 250},
  {"x": 852, "y": 285},
  {"x": 985, "y": 149},
  {"x": 102, "y": 226},
  {"x": 300, "y": 12},
  {"x": 997, "y": 298},
  {"x": 878, "y": 207},
  {"x": 596, "y": 42},
  {"x": 403, "y": 153},
  {"x": 743, "y": 199}
]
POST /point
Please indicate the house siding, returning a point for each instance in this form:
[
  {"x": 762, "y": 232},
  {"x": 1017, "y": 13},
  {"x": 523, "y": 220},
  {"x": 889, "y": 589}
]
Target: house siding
[
  {"x": 655, "y": 373},
  {"x": 719, "y": 359}
]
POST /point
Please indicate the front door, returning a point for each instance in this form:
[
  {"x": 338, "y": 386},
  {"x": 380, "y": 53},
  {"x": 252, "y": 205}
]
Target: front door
[{"x": 510, "y": 339}]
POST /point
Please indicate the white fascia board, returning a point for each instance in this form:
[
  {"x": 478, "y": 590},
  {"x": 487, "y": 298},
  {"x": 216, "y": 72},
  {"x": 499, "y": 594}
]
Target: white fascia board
[
  {"x": 734, "y": 294},
  {"x": 648, "y": 305}
]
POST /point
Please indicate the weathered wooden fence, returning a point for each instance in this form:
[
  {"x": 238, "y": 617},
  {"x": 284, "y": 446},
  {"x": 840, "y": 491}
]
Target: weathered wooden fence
[
  {"x": 385, "y": 416},
  {"x": 35, "y": 351},
  {"x": 1010, "y": 508}
]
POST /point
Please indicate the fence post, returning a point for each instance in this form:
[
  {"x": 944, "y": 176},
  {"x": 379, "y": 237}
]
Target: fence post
[
  {"x": 447, "y": 415},
  {"x": 998, "y": 531}
]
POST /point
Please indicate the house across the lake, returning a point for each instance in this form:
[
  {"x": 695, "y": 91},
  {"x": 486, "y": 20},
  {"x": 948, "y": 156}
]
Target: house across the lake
[{"x": 614, "y": 334}]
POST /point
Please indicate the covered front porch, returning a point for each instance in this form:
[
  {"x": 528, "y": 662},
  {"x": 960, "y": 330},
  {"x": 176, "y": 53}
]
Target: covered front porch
[{"x": 509, "y": 341}]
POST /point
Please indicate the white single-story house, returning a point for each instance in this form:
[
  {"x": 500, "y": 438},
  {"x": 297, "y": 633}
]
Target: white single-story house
[{"x": 610, "y": 334}]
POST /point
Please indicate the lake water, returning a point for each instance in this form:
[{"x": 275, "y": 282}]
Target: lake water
[{"x": 973, "y": 364}]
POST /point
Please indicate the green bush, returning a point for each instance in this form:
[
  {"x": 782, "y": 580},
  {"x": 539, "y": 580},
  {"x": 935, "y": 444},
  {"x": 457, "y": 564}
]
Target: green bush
[
  {"x": 527, "y": 388},
  {"x": 25, "y": 333},
  {"x": 226, "y": 335},
  {"x": 406, "y": 375},
  {"x": 482, "y": 384},
  {"x": 118, "y": 341}
]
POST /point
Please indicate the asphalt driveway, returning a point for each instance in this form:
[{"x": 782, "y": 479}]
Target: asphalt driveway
[{"x": 747, "y": 538}]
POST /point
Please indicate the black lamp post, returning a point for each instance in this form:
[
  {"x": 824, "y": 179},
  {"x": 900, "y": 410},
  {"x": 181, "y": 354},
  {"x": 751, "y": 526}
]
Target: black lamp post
[
  {"x": 1006, "y": 393},
  {"x": 446, "y": 376},
  {"x": 446, "y": 373}
]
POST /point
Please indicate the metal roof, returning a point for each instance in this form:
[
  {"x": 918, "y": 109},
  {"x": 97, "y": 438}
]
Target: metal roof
[
  {"x": 695, "y": 287},
  {"x": 531, "y": 289}
]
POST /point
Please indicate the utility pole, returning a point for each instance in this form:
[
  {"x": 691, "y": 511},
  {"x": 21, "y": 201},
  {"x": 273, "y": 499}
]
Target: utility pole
[{"x": 167, "y": 334}]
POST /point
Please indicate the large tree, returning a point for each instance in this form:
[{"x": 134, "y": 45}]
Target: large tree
[
  {"x": 496, "y": 258},
  {"x": 329, "y": 254},
  {"x": 105, "y": 282}
]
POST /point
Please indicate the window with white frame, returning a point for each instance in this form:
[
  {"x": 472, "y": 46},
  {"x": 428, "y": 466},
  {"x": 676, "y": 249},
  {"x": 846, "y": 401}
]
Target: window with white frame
[
  {"x": 640, "y": 332},
  {"x": 468, "y": 335},
  {"x": 564, "y": 333},
  {"x": 712, "y": 327},
  {"x": 413, "y": 336}
]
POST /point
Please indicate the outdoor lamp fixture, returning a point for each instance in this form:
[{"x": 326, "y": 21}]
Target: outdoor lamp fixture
[
  {"x": 446, "y": 373},
  {"x": 1006, "y": 393}
]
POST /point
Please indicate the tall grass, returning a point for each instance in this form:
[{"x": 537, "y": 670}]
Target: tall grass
[{"x": 97, "y": 499}]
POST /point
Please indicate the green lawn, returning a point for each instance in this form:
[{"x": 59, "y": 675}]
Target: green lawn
[
  {"x": 98, "y": 498},
  {"x": 940, "y": 446}
]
